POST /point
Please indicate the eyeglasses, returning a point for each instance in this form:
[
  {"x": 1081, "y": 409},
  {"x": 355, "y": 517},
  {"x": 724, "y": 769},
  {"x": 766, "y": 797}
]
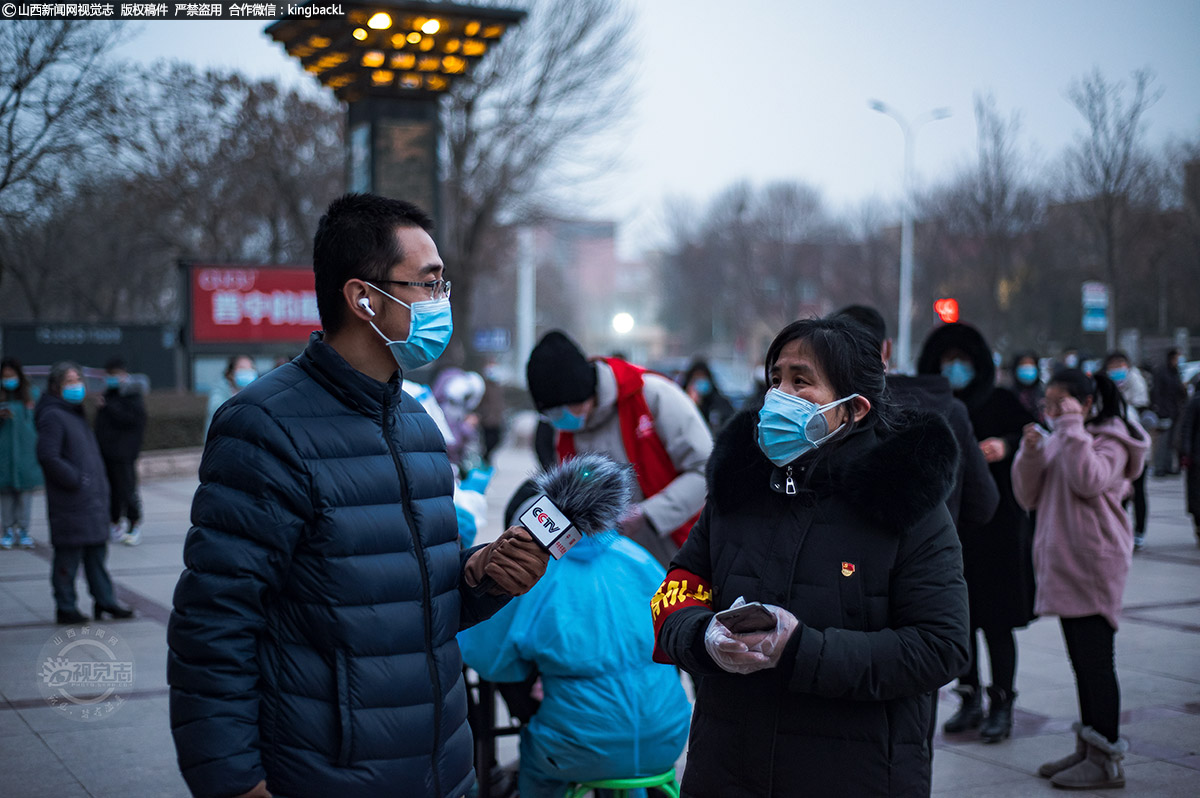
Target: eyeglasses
[{"x": 438, "y": 289}]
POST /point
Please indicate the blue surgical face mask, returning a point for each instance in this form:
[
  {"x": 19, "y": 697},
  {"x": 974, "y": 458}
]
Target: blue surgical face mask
[
  {"x": 112, "y": 382},
  {"x": 430, "y": 325},
  {"x": 11, "y": 383},
  {"x": 566, "y": 421},
  {"x": 702, "y": 386},
  {"x": 1027, "y": 374},
  {"x": 789, "y": 426},
  {"x": 1118, "y": 375},
  {"x": 243, "y": 377},
  {"x": 74, "y": 393},
  {"x": 959, "y": 373}
]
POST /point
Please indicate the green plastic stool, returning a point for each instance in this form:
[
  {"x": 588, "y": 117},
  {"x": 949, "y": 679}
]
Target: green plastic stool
[{"x": 663, "y": 781}]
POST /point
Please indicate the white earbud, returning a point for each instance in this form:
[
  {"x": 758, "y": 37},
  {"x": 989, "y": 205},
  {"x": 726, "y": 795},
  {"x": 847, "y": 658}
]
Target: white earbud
[{"x": 365, "y": 304}]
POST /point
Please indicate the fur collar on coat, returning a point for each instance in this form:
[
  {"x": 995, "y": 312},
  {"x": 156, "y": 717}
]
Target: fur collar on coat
[{"x": 894, "y": 477}]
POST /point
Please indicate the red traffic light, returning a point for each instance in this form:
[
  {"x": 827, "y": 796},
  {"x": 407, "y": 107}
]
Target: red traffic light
[{"x": 947, "y": 309}]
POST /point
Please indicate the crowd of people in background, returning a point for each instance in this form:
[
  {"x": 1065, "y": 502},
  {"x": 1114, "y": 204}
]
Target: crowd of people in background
[{"x": 88, "y": 472}]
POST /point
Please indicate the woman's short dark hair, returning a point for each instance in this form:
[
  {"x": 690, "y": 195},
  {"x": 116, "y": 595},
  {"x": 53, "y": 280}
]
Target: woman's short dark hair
[
  {"x": 1014, "y": 364},
  {"x": 849, "y": 356},
  {"x": 23, "y": 391},
  {"x": 231, "y": 365},
  {"x": 356, "y": 238},
  {"x": 58, "y": 372},
  {"x": 1113, "y": 357},
  {"x": 1025, "y": 354},
  {"x": 699, "y": 367}
]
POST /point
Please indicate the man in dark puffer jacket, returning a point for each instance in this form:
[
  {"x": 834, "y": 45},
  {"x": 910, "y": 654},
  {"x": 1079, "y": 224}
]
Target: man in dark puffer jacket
[{"x": 312, "y": 648}]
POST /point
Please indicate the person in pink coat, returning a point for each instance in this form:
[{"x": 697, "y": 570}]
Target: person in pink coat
[{"x": 1075, "y": 478}]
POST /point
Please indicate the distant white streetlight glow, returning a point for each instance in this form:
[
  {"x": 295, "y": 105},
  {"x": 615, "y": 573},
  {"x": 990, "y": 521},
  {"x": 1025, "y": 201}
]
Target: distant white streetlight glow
[{"x": 622, "y": 323}]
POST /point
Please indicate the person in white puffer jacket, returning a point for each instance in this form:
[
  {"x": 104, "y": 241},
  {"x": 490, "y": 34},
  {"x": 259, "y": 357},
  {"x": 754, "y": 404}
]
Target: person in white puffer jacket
[{"x": 1136, "y": 394}]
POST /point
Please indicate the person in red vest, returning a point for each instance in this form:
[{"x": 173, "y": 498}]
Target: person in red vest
[{"x": 612, "y": 407}]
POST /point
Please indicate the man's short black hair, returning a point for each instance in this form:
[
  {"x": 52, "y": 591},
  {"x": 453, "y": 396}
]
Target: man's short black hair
[
  {"x": 357, "y": 238},
  {"x": 115, "y": 364},
  {"x": 868, "y": 317}
]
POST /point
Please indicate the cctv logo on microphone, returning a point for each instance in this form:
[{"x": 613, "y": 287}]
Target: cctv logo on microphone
[
  {"x": 543, "y": 518},
  {"x": 550, "y": 527}
]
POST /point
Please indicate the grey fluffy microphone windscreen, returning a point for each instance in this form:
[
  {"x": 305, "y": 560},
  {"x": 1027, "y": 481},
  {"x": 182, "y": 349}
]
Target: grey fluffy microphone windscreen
[
  {"x": 592, "y": 490},
  {"x": 587, "y": 495}
]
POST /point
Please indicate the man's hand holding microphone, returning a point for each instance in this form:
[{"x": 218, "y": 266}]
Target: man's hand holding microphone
[
  {"x": 582, "y": 496},
  {"x": 514, "y": 561}
]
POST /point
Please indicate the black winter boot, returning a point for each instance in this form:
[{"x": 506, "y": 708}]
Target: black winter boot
[
  {"x": 1000, "y": 713},
  {"x": 970, "y": 714}
]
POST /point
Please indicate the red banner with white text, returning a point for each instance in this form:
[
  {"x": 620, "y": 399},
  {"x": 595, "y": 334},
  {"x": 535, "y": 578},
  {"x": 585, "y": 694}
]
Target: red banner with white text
[{"x": 236, "y": 304}]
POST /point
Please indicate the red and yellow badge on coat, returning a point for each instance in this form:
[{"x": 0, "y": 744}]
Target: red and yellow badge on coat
[{"x": 847, "y": 569}]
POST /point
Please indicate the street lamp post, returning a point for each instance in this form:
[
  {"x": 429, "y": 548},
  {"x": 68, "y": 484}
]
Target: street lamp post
[{"x": 904, "y": 338}]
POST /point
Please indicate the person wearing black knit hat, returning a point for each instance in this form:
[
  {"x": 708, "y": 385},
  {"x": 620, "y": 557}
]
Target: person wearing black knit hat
[
  {"x": 612, "y": 407},
  {"x": 558, "y": 373}
]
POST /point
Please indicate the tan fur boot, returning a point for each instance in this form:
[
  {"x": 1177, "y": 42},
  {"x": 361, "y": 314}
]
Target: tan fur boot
[
  {"x": 1100, "y": 769},
  {"x": 1050, "y": 768}
]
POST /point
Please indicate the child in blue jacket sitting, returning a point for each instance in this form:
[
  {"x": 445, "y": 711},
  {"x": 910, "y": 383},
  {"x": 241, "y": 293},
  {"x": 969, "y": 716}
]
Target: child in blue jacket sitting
[{"x": 608, "y": 711}]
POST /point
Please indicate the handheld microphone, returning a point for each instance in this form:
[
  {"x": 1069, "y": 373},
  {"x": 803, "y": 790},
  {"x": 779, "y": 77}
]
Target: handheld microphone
[{"x": 585, "y": 495}]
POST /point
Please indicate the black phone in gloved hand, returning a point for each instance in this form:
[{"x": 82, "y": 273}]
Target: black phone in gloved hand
[{"x": 747, "y": 618}]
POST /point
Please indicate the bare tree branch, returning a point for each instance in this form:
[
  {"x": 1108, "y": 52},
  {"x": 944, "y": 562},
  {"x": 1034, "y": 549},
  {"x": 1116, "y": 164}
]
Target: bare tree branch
[
  {"x": 55, "y": 103},
  {"x": 529, "y": 108},
  {"x": 1107, "y": 168}
]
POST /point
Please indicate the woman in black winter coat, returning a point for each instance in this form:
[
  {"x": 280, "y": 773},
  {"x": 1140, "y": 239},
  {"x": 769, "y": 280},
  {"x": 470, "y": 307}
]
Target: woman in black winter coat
[
  {"x": 829, "y": 509},
  {"x": 998, "y": 555},
  {"x": 76, "y": 496}
]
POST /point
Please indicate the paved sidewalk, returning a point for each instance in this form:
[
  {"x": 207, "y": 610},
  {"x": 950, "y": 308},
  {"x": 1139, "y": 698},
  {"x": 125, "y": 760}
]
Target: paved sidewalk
[{"x": 129, "y": 753}]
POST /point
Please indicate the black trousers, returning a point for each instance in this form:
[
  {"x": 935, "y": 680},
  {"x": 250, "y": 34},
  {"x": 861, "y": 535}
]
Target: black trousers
[
  {"x": 1090, "y": 648},
  {"x": 66, "y": 565},
  {"x": 1139, "y": 504},
  {"x": 1002, "y": 656},
  {"x": 123, "y": 501}
]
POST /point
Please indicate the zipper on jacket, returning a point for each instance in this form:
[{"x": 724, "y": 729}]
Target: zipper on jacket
[
  {"x": 789, "y": 484},
  {"x": 427, "y": 613}
]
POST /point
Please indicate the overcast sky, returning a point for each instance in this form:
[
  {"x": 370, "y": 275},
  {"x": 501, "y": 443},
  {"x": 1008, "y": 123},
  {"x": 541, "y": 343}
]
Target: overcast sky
[{"x": 778, "y": 89}]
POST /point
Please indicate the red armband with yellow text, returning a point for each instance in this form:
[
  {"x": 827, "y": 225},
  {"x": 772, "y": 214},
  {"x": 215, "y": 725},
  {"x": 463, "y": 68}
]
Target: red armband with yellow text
[{"x": 680, "y": 589}]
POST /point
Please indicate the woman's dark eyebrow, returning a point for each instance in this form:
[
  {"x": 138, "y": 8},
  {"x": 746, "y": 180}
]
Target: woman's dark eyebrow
[{"x": 803, "y": 368}]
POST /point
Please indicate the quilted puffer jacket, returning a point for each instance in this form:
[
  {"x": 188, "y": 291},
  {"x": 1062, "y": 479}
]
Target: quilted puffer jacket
[
  {"x": 863, "y": 552},
  {"x": 312, "y": 641}
]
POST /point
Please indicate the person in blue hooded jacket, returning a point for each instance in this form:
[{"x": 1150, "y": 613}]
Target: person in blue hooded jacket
[
  {"x": 312, "y": 650},
  {"x": 608, "y": 711}
]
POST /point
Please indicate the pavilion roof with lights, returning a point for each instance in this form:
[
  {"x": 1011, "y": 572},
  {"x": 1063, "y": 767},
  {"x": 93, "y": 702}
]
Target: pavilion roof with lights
[{"x": 394, "y": 48}]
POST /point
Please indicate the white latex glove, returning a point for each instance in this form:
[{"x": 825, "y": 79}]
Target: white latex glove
[{"x": 751, "y": 651}]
